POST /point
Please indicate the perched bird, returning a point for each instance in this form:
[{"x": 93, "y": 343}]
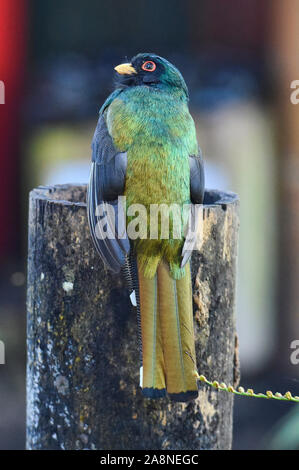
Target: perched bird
[{"x": 145, "y": 149}]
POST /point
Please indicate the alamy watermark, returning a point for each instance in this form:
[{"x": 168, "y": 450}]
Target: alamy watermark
[
  {"x": 294, "y": 97},
  {"x": 294, "y": 357},
  {"x": 154, "y": 222},
  {"x": 2, "y": 92},
  {"x": 2, "y": 353}
]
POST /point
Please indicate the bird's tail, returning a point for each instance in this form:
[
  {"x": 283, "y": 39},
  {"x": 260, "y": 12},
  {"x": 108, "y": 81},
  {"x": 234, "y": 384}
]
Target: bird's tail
[{"x": 168, "y": 350}]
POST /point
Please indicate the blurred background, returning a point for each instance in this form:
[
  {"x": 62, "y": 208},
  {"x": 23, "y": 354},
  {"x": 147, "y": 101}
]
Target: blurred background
[{"x": 239, "y": 58}]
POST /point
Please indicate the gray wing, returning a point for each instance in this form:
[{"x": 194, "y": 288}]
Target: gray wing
[
  {"x": 197, "y": 178},
  {"x": 106, "y": 214},
  {"x": 197, "y": 189}
]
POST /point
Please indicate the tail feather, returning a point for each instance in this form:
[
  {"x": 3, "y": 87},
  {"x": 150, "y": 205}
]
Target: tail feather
[
  {"x": 152, "y": 373},
  {"x": 168, "y": 349}
]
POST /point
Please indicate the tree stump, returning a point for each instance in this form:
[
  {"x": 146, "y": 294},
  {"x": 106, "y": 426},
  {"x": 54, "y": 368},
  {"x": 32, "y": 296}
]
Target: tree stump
[{"x": 83, "y": 363}]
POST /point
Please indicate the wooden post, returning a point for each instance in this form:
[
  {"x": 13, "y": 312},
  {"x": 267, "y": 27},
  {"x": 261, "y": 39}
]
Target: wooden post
[{"x": 83, "y": 365}]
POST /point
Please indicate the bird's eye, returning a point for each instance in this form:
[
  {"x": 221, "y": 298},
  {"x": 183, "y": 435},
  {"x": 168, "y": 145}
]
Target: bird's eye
[{"x": 149, "y": 66}]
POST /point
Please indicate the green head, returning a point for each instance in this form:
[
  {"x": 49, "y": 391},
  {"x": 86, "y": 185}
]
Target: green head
[{"x": 150, "y": 70}]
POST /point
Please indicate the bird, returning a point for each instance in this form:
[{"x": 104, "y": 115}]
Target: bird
[{"x": 145, "y": 155}]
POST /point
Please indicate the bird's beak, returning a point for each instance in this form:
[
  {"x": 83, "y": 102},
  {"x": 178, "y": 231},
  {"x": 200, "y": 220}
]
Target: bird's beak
[{"x": 125, "y": 69}]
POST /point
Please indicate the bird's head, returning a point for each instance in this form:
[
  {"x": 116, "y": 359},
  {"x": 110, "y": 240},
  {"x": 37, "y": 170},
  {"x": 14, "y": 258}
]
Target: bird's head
[{"x": 150, "y": 70}]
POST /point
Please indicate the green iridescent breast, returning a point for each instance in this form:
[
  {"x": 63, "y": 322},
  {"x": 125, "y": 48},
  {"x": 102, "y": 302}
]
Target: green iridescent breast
[{"x": 157, "y": 131}]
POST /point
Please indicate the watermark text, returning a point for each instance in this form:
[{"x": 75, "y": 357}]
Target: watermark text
[
  {"x": 154, "y": 222},
  {"x": 294, "y": 97},
  {"x": 2, "y": 92},
  {"x": 294, "y": 357},
  {"x": 2, "y": 353}
]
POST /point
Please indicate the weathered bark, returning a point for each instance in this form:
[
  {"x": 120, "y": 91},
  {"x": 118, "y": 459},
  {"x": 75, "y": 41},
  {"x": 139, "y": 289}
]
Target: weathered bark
[{"x": 83, "y": 366}]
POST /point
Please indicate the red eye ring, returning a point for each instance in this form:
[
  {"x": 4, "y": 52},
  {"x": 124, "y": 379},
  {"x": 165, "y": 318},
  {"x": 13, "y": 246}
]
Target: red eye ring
[{"x": 149, "y": 66}]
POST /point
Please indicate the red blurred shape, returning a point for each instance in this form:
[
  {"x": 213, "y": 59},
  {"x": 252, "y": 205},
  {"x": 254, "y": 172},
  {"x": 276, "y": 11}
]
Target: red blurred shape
[{"x": 13, "y": 19}]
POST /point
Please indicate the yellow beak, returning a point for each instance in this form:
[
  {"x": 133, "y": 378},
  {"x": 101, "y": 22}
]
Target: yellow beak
[{"x": 125, "y": 69}]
